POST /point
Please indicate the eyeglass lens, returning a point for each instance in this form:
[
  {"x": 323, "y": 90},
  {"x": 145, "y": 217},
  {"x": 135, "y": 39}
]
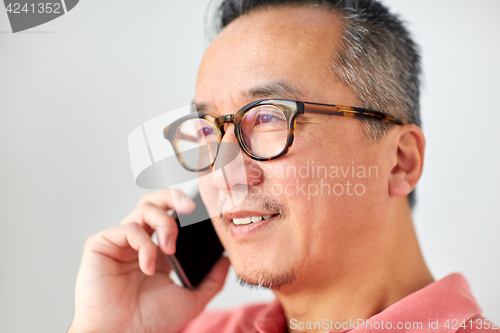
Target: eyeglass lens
[
  {"x": 264, "y": 130},
  {"x": 197, "y": 141}
]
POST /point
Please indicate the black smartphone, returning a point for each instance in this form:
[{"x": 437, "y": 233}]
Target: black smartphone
[{"x": 197, "y": 248}]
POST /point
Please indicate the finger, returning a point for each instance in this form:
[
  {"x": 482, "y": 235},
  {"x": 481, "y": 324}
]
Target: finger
[
  {"x": 162, "y": 263},
  {"x": 132, "y": 235},
  {"x": 169, "y": 199},
  {"x": 214, "y": 281},
  {"x": 153, "y": 218}
]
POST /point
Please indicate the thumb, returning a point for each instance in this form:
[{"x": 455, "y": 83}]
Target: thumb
[{"x": 214, "y": 281}]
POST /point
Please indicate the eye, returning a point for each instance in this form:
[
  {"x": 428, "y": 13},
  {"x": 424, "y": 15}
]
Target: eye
[
  {"x": 208, "y": 131},
  {"x": 205, "y": 131},
  {"x": 266, "y": 118},
  {"x": 263, "y": 119}
]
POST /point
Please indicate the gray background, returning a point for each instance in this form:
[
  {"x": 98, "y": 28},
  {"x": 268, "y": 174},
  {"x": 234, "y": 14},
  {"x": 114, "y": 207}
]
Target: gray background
[{"x": 73, "y": 89}]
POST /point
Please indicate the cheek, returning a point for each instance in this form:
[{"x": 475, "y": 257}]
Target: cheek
[
  {"x": 207, "y": 192},
  {"x": 209, "y": 195},
  {"x": 337, "y": 178}
]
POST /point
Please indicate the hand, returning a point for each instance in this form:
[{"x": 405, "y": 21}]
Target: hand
[{"x": 123, "y": 284}]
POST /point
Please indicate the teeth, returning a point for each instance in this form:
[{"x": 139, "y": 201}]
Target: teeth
[
  {"x": 256, "y": 218},
  {"x": 248, "y": 220},
  {"x": 244, "y": 220}
]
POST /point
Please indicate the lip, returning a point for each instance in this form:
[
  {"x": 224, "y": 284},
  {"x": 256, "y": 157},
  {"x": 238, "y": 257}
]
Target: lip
[
  {"x": 246, "y": 231},
  {"x": 246, "y": 213}
]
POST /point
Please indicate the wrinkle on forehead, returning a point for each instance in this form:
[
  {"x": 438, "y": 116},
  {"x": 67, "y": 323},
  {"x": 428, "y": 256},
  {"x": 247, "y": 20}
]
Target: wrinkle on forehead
[
  {"x": 290, "y": 44},
  {"x": 293, "y": 29}
]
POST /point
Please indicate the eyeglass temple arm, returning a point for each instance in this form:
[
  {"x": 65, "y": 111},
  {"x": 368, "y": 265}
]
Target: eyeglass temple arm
[{"x": 351, "y": 112}]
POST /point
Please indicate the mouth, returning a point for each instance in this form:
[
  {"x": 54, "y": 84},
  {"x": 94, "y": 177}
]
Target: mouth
[
  {"x": 251, "y": 219},
  {"x": 247, "y": 224}
]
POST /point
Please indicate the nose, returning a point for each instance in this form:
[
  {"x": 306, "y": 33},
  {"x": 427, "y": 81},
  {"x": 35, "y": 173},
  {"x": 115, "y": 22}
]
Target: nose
[{"x": 234, "y": 170}]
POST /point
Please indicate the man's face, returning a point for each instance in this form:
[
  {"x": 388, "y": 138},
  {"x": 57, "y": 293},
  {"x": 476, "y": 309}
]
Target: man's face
[{"x": 322, "y": 217}]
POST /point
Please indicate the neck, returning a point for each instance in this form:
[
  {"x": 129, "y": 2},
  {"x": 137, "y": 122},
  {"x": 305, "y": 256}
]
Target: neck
[{"x": 395, "y": 269}]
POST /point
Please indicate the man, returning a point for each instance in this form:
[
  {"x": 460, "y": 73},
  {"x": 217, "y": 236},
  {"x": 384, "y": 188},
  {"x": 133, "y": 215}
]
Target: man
[{"x": 336, "y": 242}]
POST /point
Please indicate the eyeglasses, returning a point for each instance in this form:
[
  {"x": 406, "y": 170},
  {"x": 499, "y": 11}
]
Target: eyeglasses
[{"x": 264, "y": 130}]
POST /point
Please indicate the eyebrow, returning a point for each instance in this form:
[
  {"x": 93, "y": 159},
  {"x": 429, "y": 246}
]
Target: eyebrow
[
  {"x": 275, "y": 89},
  {"x": 199, "y": 107}
]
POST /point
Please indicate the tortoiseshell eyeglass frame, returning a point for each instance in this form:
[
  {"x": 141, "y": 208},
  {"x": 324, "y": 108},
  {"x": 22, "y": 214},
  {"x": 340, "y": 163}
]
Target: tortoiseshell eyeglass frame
[{"x": 291, "y": 109}]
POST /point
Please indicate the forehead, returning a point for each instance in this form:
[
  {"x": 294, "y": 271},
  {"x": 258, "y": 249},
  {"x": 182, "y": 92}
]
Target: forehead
[{"x": 291, "y": 47}]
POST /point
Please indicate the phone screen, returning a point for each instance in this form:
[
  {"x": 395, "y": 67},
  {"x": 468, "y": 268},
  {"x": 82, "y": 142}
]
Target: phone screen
[{"x": 197, "y": 249}]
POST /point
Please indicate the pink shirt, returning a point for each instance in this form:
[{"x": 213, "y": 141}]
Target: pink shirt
[{"x": 442, "y": 306}]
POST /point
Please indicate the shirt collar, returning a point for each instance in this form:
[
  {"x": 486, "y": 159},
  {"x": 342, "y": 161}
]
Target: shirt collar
[
  {"x": 447, "y": 299},
  {"x": 271, "y": 319}
]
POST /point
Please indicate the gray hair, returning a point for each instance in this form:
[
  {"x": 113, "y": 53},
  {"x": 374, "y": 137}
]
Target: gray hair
[{"x": 377, "y": 59}]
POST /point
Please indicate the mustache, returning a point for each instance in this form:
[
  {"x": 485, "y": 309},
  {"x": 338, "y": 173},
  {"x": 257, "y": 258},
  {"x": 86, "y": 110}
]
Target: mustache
[{"x": 254, "y": 200}]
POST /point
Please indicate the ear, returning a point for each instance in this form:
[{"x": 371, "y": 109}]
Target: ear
[{"x": 408, "y": 160}]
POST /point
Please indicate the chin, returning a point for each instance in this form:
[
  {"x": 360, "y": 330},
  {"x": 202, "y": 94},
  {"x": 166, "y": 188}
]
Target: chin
[
  {"x": 267, "y": 279},
  {"x": 264, "y": 275}
]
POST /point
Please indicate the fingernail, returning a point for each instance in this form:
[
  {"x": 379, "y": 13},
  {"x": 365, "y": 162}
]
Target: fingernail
[{"x": 171, "y": 243}]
